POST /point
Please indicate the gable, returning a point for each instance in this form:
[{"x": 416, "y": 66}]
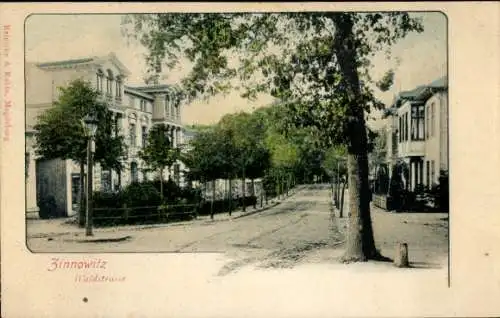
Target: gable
[{"x": 111, "y": 62}]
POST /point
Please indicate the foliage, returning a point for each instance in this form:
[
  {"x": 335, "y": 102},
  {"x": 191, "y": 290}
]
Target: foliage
[
  {"x": 441, "y": 192},
  {"x": 158, "y": 152},
  {"x": 305, "y": 74},
  {"x": 108, "y": 199},
  {"x": 206, "y": 159},
  {"x": 385, "y": 83},
  {"x": 335, "y": 161},
  {"x": 141, "y": 195},
  {"x": 60, "y": 131},
  {"x": 396, "y": 185},
  {"x": 48, "y": 207}
]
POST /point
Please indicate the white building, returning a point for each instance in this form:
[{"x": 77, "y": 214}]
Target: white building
[
  {"x": 135, "y": 110},
  {"x": 417, "y": 133}
]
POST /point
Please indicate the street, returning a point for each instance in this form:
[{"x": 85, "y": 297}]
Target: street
[{"x": 299, "y": 230}]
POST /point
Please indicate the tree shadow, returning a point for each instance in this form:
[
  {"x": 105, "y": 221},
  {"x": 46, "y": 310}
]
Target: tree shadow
[
  {"x": 381, "y": 258},
  {"x": 425, "y": 265}
]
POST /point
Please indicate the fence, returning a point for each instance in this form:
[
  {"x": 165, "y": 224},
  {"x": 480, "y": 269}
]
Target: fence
[{"x": 157, "y": 214}]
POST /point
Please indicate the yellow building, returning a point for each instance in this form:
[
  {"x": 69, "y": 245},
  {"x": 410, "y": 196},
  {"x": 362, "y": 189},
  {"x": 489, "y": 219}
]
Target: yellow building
[{"x": 135, "y": 110}]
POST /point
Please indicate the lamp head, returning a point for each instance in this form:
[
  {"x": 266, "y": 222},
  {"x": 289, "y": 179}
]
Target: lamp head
[{"x": 91, "y": 122}]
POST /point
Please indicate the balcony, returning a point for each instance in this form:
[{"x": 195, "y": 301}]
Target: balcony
[{"x": 411, "y": 148}]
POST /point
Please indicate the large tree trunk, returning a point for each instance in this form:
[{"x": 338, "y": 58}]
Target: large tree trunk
[
  {"x": 341, "y": 214},
  {"x": 360, "y": 244},
  {"x": 81, "y": 212}
]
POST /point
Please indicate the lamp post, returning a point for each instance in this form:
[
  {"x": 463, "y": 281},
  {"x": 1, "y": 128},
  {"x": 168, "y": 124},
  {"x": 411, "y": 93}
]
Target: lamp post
[{"x": 90, "y": 122}]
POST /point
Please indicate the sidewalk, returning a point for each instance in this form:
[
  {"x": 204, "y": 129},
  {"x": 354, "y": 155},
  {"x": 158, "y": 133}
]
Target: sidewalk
[{"x": 37, "y": 228}]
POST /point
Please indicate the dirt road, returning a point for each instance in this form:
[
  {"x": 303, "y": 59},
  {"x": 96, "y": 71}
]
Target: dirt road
[{"x": 299, "y": 230}]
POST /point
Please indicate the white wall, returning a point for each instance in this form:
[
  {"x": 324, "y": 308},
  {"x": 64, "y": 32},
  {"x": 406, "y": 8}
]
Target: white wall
[
  {"x": 31, "y": 202},
  {"x": 437, "y": 140}
]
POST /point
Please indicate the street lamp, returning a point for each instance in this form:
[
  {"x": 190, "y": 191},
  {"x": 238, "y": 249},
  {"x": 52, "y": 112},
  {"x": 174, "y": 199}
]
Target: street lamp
[{"x": 90, "y": 122}]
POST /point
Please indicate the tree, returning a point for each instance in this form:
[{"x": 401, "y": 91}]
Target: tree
[
  {"x": 335, "y": 165},
  {"x": 158, "y": 153},
  {"x": 284, "y": 157},
  {"x": 207, "y": 158},
  {"x": 321, "y": 73},
  {"x": 248, "y": 151},
  {"x": 60, "y": 132},
  {"x": 377, "y": 159}
]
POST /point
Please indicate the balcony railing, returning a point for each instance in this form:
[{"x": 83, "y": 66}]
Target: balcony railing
[{"x": 411, "y": 148}]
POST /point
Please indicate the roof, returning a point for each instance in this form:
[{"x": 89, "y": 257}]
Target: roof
[
  {"x": 86, "y": 60},
  {"x": 155, "y": 88},
  {"x": 440, "y": 83},
  {"x": 66, "y": 62},
  {"x": 134, "y": 91},
  {"x": 420, "y": 93}
]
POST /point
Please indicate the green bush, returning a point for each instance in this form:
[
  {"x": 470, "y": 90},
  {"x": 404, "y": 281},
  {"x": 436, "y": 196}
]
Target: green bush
[
  {"x": 440, "y": 193},
  {"x": 108, "y": 199},
  {"x": 140, "y": 203},
  {"x": 141, "y": 195},
  {"x": 47, "y": 207}
]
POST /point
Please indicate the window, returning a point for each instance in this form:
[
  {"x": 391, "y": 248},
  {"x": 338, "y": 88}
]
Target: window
[
  {"x": 106, "y": 181},
  {"x": 118, "y": 123},
  {"x": 118, "y": 92},
  {"x": 172, "y": 109},
  {"x": 421, "y": 172},
  {"x": 432, "y": 131},
  {"x": 433, "y": 172},
  {"x": 100, "y": 76},
  {"x": 407, "y": 127},
  {"x": 108, "y": 86},
  {"x": 417, "y": 122},
  {"x": 143, "y": 105},
  {"x": 132, "y": 135},
  {"x": 75, "y": 188},
  {"x": 167, "y": 106},
  {"x": 134, "y": 176},
  {"x": 144, "y": 136},
  {"x": 400, "y": 130},
  {"x": 109, "y": 83},
  {"x": 427, "y": 174},
  {"x": 427, "y": 121},
  {"x": 26, "y": 164}
]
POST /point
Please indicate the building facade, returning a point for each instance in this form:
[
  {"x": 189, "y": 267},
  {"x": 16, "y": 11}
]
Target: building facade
[
  {"x": 417, "y": 134},
  {"x": 135, "y": 110}
]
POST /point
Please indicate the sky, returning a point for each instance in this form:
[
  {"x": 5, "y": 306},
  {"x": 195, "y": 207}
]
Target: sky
[{"x": 423, "y": 57}]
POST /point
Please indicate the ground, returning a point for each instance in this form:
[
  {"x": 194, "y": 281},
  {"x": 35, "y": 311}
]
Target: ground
[{"x": 299, "y": 230}]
